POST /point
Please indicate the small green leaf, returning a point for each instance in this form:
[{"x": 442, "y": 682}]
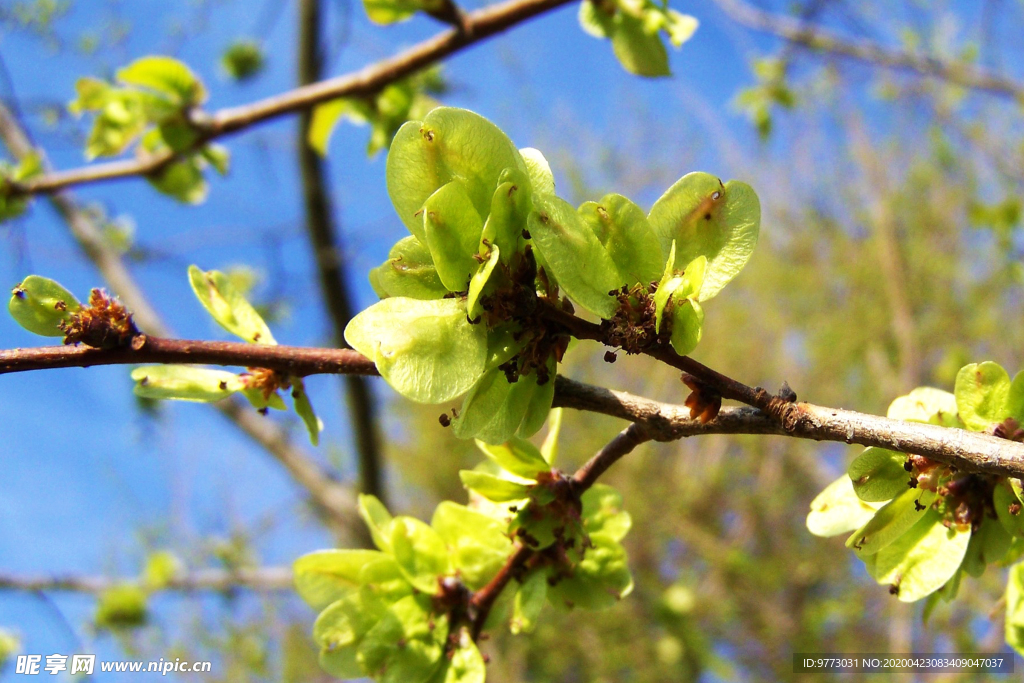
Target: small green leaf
[
  {"x": 922, "y": 560},
  {"x": 465, "y": 666},
  {"x": 408, "y": 272},
  {"x": 639, "y": 50},
  {"x": 325, "y": 119},
  {"x": 390, "y": 11},
  {"x": 528, "y": 603},
  {"x": 493, "y": 488},
  {"x": 304, "y": 409},
  {"x": 989, "y": 544},
  {"x": 878, "y": 475},
  {"x": 549, "y": 449},
  {"x": 326, "y": 576},
  {"x": 687, "y": 325},
  {"x": 1015, "y": 608},
  {"x": 162, "y": 567},
  {"x": 478, "y": 545},
  {"x": 182, "y": 180},
  {"x": 982, "y": 395},
  {"x": 217, "y": 156},
  {"x": 1008, "y": 508},
  {"x": 448, "y": 144},
  {"x": 40, "y": 305},
  {"x": 622, "y": 227},
  {"x": 595, "y": 20},
  {"x": 707, "y": 218},
  {"x": 228, "y": 307},
  {"x": 539, "y": 170},
  {"x": 426, "y": 350},
  {"x": 603, "y": 513},
  {"x": 838, "y": 510},
  {"x": 243, "y": 60},
  {"x": 10, "y": 645},
  {"x": 518, "y": 456},
  {"x": 341, "y": 628},
  {"x": 510, "y": 209},
  {"x": 922, "y": 404},
  {"x": 185, "y": 383},
  {"x": 891, "y": 521},
  {"x": 494, "y": 409},
  {"x": 406, "y": 645},
  {"x": 575, "y": 256},
  {"x": 479, "y": 282},
  {"x": 259, "y": 401},
  {"x": 120, "y": 607},
  {"x": 599, "y": 581},
  {"x": 540, "y": 404},
  {"x": 420, "y": 552},
  {"x": 167, "y": 76},
  {"x": 378, "y": 520},
  {"x": 679, "y": 27},
  {"x": 452, "y": 228}
]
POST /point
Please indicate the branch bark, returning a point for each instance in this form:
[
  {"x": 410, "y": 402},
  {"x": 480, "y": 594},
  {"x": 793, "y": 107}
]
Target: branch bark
[
  {"x": 330, "y": 265},
  {"x": 823, "y": 40},
  {"x": 476, "y": 27},
  {"x": 264, "y": 579},
  {"x": 968, "y": 451}
]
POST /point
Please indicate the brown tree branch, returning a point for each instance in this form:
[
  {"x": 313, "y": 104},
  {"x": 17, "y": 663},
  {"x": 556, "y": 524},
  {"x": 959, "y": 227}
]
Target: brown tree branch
[
  {"x": 623, "y": 444},
  {"x": 330, "y": 265},
  {"x": 476, "y": 27},
  {"x": 969, "y": 451},
  {"x": 264, "y": 580},
  {"x": 823, "y": 40},
  {"x": 292, "y": 360},
  {"x": 332, "y": 497}
]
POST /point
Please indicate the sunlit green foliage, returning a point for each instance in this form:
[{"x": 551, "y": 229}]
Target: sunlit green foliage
[
  {"x": 151, "y": 103},
  {"x": 492, "y": 244},
  {"x": 402, "y": 612},
  {"x": 634, "y": 28}
]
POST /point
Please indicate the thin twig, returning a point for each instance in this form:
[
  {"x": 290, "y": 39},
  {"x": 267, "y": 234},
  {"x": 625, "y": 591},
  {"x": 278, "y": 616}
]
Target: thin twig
[
  {"x": 823, "y": 40},
  {"x": 475, "y": 27},
  {"x": 623, "y": 444},
  {"x": 292, "y": 360},
  {"x": 264, "y": 579}
]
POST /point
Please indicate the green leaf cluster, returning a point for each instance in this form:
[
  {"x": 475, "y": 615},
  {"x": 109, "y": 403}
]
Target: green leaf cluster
[
  {"x": 919, "y": 525},
  {"x": 384, "y": 112},
  {"x": 583, "y": 562},
  {"x": 243, "y": 60},
  {"x": 771, "y": 91},
  {"x": 402, "y": 612},
  {"x": 232, "y": 311},
  {"x": 634, "y": 28},
  {"x": 398, "y": 613},
  {"x": 150, "y": 102},
  {"x": 12, "y": 204},
  {"x": 491, "y": 242}
]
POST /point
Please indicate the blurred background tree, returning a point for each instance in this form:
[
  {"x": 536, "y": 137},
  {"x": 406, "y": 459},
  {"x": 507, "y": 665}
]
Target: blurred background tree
[{"x": 884, "y": 140}]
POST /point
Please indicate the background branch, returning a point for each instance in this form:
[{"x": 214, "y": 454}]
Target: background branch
[
  {"x": 823, "y": 40},
  {"x": 477, "y": 26},
  {"x": 263, "y": 579},
  {"x": 330, "y": 263}
]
